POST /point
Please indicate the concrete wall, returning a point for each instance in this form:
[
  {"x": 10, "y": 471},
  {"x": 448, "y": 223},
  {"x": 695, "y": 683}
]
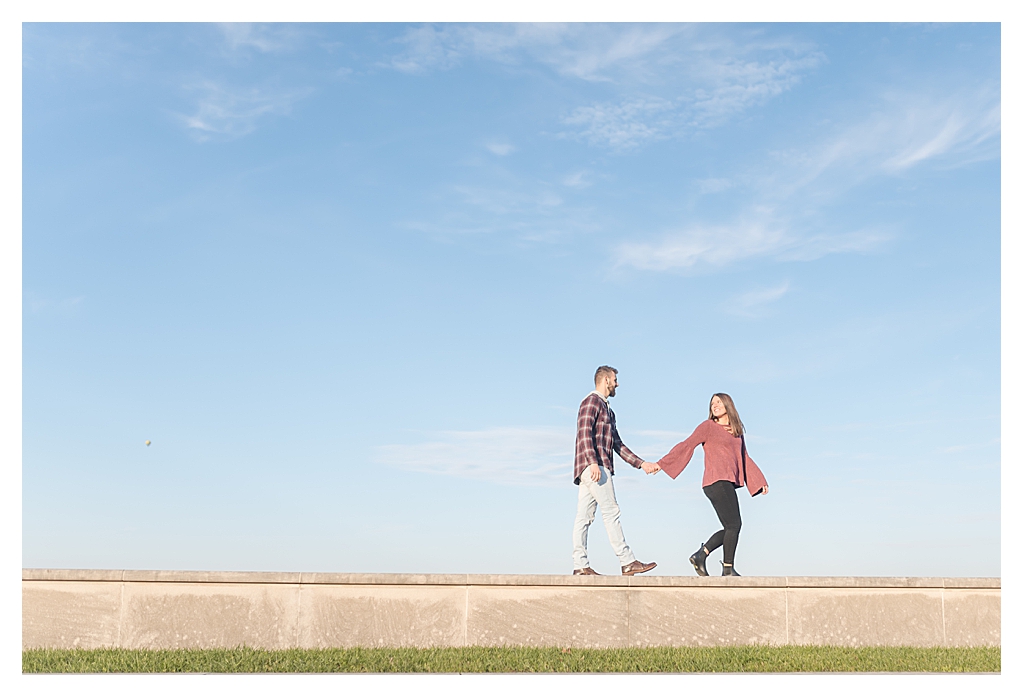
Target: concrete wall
[{"x": 179, "y": 609}]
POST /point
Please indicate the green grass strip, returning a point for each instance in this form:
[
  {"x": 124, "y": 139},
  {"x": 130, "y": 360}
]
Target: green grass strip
[{"x": 734, "y": 659}]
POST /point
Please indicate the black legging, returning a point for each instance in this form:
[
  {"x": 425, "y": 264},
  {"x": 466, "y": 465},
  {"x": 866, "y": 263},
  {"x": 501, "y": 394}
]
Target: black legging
[{"x": 726, "y": 505}]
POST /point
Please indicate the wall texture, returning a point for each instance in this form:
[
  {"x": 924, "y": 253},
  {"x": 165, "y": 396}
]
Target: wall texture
[{"x": 189, "y": 609}]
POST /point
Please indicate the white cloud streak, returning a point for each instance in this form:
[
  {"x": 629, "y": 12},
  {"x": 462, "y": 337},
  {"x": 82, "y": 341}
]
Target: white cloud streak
[
  {"x": 667, "y": 81},
  {"x": 756, "y": 298},
  {"x": 739, "y": 83},
  {"x": 505, "y": 201},
  {"x": 722, "y": 87},
  {"x": 671, "y": 81},
  {"x": 577, "y": 180},
  {"x": 972, "y": 447},
  {"x": 37, "y": 304},
  {"x": 956, "y": 128},
  {"x": 228, "y": 113},
  {"x": 713, "y": 185},
  {"x": 715, "y": 246},
  {"x": 530, "y": 212},
  {"x": 265, "y": 38},
  {"x": 707, "y": 248},
  {"x": 624, "y": 125},
  {"x": 755, "y": 302},
  {"x": 519, "y": 456},
  {"x": 500, "y": 148},
  {"x": 588, "y": 52},
  {"x": 908, "y": 132}
]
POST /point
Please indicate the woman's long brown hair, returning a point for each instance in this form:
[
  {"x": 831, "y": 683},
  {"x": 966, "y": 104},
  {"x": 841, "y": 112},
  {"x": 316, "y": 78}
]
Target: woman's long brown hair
[{"x": 733, "y": 416}]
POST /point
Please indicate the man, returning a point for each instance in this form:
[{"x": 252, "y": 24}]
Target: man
[{"x": 595, "y": 438}]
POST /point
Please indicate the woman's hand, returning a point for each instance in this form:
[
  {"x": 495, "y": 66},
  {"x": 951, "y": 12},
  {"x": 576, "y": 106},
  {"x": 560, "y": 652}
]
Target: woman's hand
[
  {"x": 651, "y": 467},
  {"x": 763, "y": 490}
]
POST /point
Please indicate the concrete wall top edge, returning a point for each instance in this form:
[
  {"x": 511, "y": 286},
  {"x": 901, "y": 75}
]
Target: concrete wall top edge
[
  {"x": 71, "y": 575},
  {"x": 214, "y": 576},
  {"x": 168, "y": 576}
]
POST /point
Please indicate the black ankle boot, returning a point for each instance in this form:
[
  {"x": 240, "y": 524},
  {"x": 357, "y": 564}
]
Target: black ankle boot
[
  {"x": 727, "y": 570},
  {"x": 699, "y": 562}
]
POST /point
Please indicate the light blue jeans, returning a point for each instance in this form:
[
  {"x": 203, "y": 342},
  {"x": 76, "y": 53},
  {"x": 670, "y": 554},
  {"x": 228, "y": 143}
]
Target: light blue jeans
[{"x": 592, "y": 494}]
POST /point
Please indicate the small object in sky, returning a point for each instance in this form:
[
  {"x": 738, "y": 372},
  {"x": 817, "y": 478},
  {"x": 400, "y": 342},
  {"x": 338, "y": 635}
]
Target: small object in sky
[{"x": 148, "y": 442}]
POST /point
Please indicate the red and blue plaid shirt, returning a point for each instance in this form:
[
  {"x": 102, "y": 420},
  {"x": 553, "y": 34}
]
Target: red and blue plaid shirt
[{"x": 596, "y": 437}]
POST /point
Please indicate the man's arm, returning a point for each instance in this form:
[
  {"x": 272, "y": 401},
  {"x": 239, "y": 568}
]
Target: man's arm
[
  {"x": 584, "y": 428},
  {"x": 629, "y": 456}
]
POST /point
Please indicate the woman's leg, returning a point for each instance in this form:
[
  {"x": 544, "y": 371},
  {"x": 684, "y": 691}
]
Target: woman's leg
[
  {"x": 715, "y": 541},
  {"x": 726, "y": 505}
]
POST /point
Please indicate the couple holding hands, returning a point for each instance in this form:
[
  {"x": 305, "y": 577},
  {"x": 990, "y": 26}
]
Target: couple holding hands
[{"x": 727, "y": 467}]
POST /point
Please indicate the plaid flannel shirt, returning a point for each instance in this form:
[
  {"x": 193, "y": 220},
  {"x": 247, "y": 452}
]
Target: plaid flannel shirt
[{"x": 596, "y": 436}]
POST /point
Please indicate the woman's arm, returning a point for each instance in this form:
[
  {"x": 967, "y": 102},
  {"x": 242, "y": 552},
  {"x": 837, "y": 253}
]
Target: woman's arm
[
  {"x": 756, "y": 482},
  {"x": 676, "y": 460}
]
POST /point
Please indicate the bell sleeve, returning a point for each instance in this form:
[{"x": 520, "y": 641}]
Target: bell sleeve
[
  {"x": 755, "y": 479},
  {"x": 678, "y": 457}
]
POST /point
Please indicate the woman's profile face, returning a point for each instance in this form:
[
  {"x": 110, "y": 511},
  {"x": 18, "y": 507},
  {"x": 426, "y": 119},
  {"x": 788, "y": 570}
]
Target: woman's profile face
[{"x": 717, "y": 407}]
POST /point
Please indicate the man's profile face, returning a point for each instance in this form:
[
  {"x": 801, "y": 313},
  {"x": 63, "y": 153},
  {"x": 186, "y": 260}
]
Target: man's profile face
[{"x": 612, "y": 383}]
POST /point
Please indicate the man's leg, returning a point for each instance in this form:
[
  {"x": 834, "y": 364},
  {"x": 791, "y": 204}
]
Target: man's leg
[
  {"x": 584, "y": 514},
  {"x": 604, "y": 493}
]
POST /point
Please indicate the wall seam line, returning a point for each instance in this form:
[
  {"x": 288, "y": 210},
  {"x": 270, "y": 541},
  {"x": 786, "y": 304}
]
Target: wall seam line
[
  {"x": 628, "y": 614},
  {"x": 298, "y": 618},
  {"x": 120, "y": 612},
  {"x": 944, "y": 632},
  {"x": 787, "y": 639}
]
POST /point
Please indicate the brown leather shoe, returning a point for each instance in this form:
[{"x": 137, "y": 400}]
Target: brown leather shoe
[
  {"x": 637, "y": 567},
  {"x": 585, "y": 572}
]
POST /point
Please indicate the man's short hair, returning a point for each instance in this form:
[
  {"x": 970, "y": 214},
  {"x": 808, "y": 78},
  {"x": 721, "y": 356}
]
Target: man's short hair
[{"x": 602, "y": 371}]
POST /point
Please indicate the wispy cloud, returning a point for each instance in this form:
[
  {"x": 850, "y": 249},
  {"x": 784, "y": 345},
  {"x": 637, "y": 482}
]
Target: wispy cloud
[
  {"x": 711, "y": 247},
  {"x": 962, "y": 129},
  {"x": 624, "y": 125},
  {"x": 753, "y": 302},
  {"x": 713, "y": 185},
  {"x": 740, "y": 82},
  {"x": 665, "y": 80},
  {"x": 809, "y": 247},
  {"x": 231, "y": 112},
  {"x": 596, "y": 53},
  {"x": 904, "y": 131},
  {"x": 36, "y": 304},
  {"x": 577, "y": 180},
  {"x": 521, "y": 456},
  {"x": 777, "y": 219},
  {"x": 972, "y": 447},
  {"x": 654, "y": 444},
  {"x": 506, "y": 200},
  {"x": 723, "y": 86},
  {"x": 717, "y": 83},
  {"x": 501, "y": 148},
  {"x": 427, "y": 47},
  {"x": 519, "y": 209},
  {"x": 266, "y": 38}
]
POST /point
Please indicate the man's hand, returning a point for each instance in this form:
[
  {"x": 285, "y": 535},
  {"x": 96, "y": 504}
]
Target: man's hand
[
  {"x": 594, "y": 472},
  {"x": 651, "y": 467}
]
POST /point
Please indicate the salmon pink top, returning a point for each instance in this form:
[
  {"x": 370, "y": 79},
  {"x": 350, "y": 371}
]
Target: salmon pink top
[{"x": 722, "y": 458}]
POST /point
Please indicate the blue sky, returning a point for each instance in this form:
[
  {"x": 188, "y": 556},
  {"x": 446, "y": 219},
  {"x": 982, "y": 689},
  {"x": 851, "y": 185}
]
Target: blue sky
[{"x": 352, "y": 281}]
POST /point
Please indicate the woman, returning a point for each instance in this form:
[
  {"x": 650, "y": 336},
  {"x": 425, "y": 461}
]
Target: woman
[{"x": 726, "y": 467}]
